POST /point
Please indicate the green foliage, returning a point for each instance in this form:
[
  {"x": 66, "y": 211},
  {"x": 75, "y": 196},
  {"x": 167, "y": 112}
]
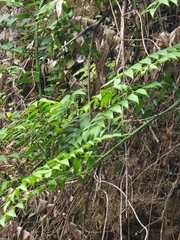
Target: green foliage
[
  {"x": 58, "y": 140},
  {"x": 153, "y": 7}
]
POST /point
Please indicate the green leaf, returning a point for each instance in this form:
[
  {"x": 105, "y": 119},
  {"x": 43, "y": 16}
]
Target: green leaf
[
  {"x": 109, "y": 114},
  {"x": 171, "y": 56},
  {"x": 84, "y": 122},
  {"x": 105, "y": 100},
  {"x": 166, "y": 2},
  {"x": 146, "y": 61},
  {"x": 5, "y": 183},
  {"x": 4, "y": 17},
  {"x": 95, "y": 131},
  {"x": 65, "y": 7},
  {"x": 153, "y": 85},
  {"x": 2, "y": 131},
  {"x": 19, "y": 205},
  {"x": 116, "y": 108},
  {"x": 161, "y": 94},
  {"x": 129, "y": 73},
  {"x": 147, "y": 113},
  {"x": 46, "y": 40},
  {"x": 133, "y": 97},
  {"x": 2, "y": 221},
  {"x": 79, "y": 92},
  {"x": 137, "y": 66},
  {"x": 142, "y": 91},
  {"x": 76, "y": 165},
  {"x": 153, "y": 66},
  {"x": 31, "y": 149},
  {"x": 154, "y": 55},
  {"x": 32, "y": 4},
  {"x": 65, "y": 162},
  {"x": 19, "y": 50},
  {"x": 175, "y": 2},
  {"x": 98, "y": 3},
  {"x": 3, "y": 158},
  {"x": 163, "y": 52},
  {"x": 152, "y": 12},
  {"x": 23, "y": 15},
  {"x": 124, "y": 103},
  {"x": 91, "y": 163},
  {"x": 101, "y": 123},
  {"x": 11, "y": 213}
]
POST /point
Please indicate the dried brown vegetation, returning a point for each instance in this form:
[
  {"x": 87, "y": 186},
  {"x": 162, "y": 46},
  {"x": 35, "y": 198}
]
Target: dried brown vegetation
[{"x": 135, "y": 193}]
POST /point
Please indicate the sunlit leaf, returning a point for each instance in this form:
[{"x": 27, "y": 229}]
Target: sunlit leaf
[
  {"x": 152, "y": 12},
  {"x": 146, "y": 61},
  {"x": 11, "y": 213},
  {"x": 124, "y": 103},
  {"x": 166, "y": 2},
  {"x": 2, "y": 221},
  {"x": 65, "y": 162},
  {"x": 174, "y": 1},
  {"x": 116, "y": 108},
  {"x": 142, "y": 91},
  {"x": 133, "y": 97},
  {"x": 153, "y": 85},
  {"x": 19, "y": 205},
  {"x": 129, "y": 73}
]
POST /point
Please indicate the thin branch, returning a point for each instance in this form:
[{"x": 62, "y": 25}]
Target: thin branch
[
  {"x": 103, "y": 181},
  {"x": 177, "y": 103}
]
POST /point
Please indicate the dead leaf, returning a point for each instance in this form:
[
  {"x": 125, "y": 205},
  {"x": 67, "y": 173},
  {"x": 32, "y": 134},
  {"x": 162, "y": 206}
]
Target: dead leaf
[
  {"x": 75, "y": 232},
  {"x": 59, "y": 8},
  {"x": 174, "y": 37}
]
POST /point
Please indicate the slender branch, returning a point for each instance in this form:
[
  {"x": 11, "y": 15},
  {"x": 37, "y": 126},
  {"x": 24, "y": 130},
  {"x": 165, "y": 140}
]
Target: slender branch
[{"x": 139, "y": 129}]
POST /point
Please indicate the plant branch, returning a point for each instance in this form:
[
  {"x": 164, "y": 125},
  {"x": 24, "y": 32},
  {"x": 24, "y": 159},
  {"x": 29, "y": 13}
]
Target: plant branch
[{"x": 139, "y": 129}]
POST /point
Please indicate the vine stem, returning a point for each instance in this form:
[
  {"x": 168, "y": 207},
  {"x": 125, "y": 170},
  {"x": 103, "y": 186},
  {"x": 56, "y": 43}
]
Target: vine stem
[{"x": 140, "y": 129}]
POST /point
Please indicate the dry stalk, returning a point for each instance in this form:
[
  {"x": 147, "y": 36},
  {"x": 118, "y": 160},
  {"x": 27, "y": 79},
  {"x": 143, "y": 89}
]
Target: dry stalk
[{"x": 111, "y": 184}]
